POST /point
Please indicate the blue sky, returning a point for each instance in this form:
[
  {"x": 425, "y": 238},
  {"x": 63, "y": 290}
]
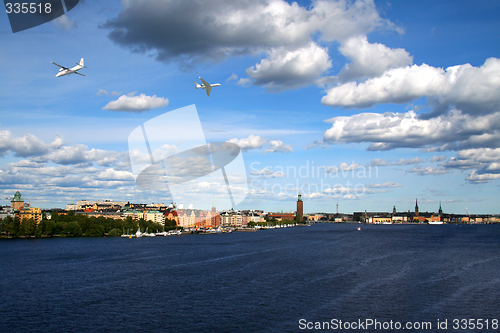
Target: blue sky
[{"x": 366, "y": 104}]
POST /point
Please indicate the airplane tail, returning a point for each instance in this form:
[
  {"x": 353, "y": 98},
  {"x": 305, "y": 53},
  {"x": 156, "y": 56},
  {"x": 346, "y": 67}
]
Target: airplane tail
[
  {"x": 197, "y": 85},
  {"x": 81, "y": 63}
]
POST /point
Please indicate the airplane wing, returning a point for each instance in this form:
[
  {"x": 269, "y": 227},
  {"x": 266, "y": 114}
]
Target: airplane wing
[
  {"x": 59, "y": 65},
  {"x": 207, "y": 85},
  {"x": 79, "y": 74},
  {"x": 204, "y": 82}
]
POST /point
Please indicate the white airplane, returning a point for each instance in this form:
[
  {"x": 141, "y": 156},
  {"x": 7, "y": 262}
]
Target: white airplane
[
  {"x": 66, "y": 71},
  {"x": 205, "y": 85}
]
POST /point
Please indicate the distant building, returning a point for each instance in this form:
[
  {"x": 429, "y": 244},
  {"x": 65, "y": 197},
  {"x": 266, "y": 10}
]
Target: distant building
[
  {"x": 154, "y": 216},
  {"x": 31, "y": 213},
  {"x": 300, "y": 207},
  {"x": 6, "y": 211},
  {"x": 17, "y": 202},
  {"x": 282, "y": 216}
]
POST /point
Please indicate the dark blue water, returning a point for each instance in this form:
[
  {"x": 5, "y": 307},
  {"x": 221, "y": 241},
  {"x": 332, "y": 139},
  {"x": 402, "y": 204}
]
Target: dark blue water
[{"x": 265, "y": 281}]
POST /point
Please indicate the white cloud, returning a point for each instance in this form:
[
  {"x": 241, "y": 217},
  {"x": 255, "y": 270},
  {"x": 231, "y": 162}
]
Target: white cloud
[
  {"x": 233, "y": 77},
  {"x": 342, "y": 167},
  {"x": 415, "y": 160},
  {"x": 384, "y": 185},
  {"x": 102, "y": 92},
  {"x": 136, "y": 103},
  {"x": 279, "y": 146},
  {"x": 245, "y": 82},
  {"x": 27, "y": 145},
  {"x": 268, "y": 173},
  {"x": 252, "y": 142},
  {"x": 475, "y": 177},
  {"x": 438, "y": 158},
  {"x": 429, "y": 171},
  {"x": 285, "y": 69},
  {"x": 370, "y": 60},
  {"x": 286, "y": 32},
  {"x": 64, "y": 23},
  {"x": 451, "y": 131},
  {"x": 470, "y": 89},
  {"x": 380, "y": 162}
]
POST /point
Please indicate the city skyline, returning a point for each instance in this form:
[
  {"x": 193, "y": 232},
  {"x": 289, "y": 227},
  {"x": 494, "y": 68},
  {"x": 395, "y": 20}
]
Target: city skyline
[{"x": 365, "y": 104}]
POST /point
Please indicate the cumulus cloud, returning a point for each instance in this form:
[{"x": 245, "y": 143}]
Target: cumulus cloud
[
  {"x": 268, "y": 173},
  {"x": 415, "y": 160},
  {"x": 258, "y": 142},
  {"x": 438, "y": 158},
  {"x": 428, "y": 171},
  {"x": 475, "y": 177},
  {"x": 451, "y": 131},
  {"x": 136, "y": 103},
  {"x": 285, "y": 69},
  {"x": 63, "y": 169},
  {"x": 279, "y": 146},
  {"x": 370, "y": 60},
  {"x": 342, "y": 167},
  {"x": 286, "y": 33},
  {"x": 252, "y": 142},
  {"x": 379, "y": 162},
  {"x": 484, "y": 162},
  {"x": 384, "y": 185},
  {"x": 474, "y": 90},
  {"x": 27, "y": 145}
]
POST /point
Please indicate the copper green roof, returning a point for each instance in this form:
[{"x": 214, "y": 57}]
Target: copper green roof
[{"x": 17, "y": 197}]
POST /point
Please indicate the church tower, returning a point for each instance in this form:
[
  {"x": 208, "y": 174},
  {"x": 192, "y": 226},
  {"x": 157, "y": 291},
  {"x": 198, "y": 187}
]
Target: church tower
[
  {"x": 300, "y": 208},
  {"x": 416, "y": 207}
]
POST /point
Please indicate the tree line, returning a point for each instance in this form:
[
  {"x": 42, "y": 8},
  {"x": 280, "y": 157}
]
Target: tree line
[{"x": 74, "y": 225}]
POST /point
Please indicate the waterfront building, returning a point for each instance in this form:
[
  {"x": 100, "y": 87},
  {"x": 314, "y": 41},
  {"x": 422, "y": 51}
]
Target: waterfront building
[
  {"x": 172, "y": 215},
  {"x": 416, "y": 207},
  {"x": 98, "y": 205},
  {"x": 31, "y": 213},
  {"x": 154, "y": 216},
  {"x": 226, "y": 219},
  {"x": 281, "y": 216},
  {"x": 236, "y": 220},
  {"x": 253, "y": 216},
  {"x": 134, "y": 214}
]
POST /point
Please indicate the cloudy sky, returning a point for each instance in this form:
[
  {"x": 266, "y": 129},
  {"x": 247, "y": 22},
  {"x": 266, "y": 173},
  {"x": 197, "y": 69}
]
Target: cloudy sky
[{"x": 368, "y": 104}]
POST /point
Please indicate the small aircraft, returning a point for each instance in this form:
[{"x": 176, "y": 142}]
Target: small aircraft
[
  {"x": 206, "y": 85},
  {"x": 66, "y": 71}
]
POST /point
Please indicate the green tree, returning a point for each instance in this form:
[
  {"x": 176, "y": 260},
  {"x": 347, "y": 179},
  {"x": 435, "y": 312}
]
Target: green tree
[
  {"x": 115, "y": 232},
  {"x": 9, "y": 225},
  {"x": 54, "y": 215},
  {"x": 58, "y": 228},
  {"x": 73, "y": 229},
  {"x": 27, "y": 227},
  {"x": 48, "y": 228}
]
